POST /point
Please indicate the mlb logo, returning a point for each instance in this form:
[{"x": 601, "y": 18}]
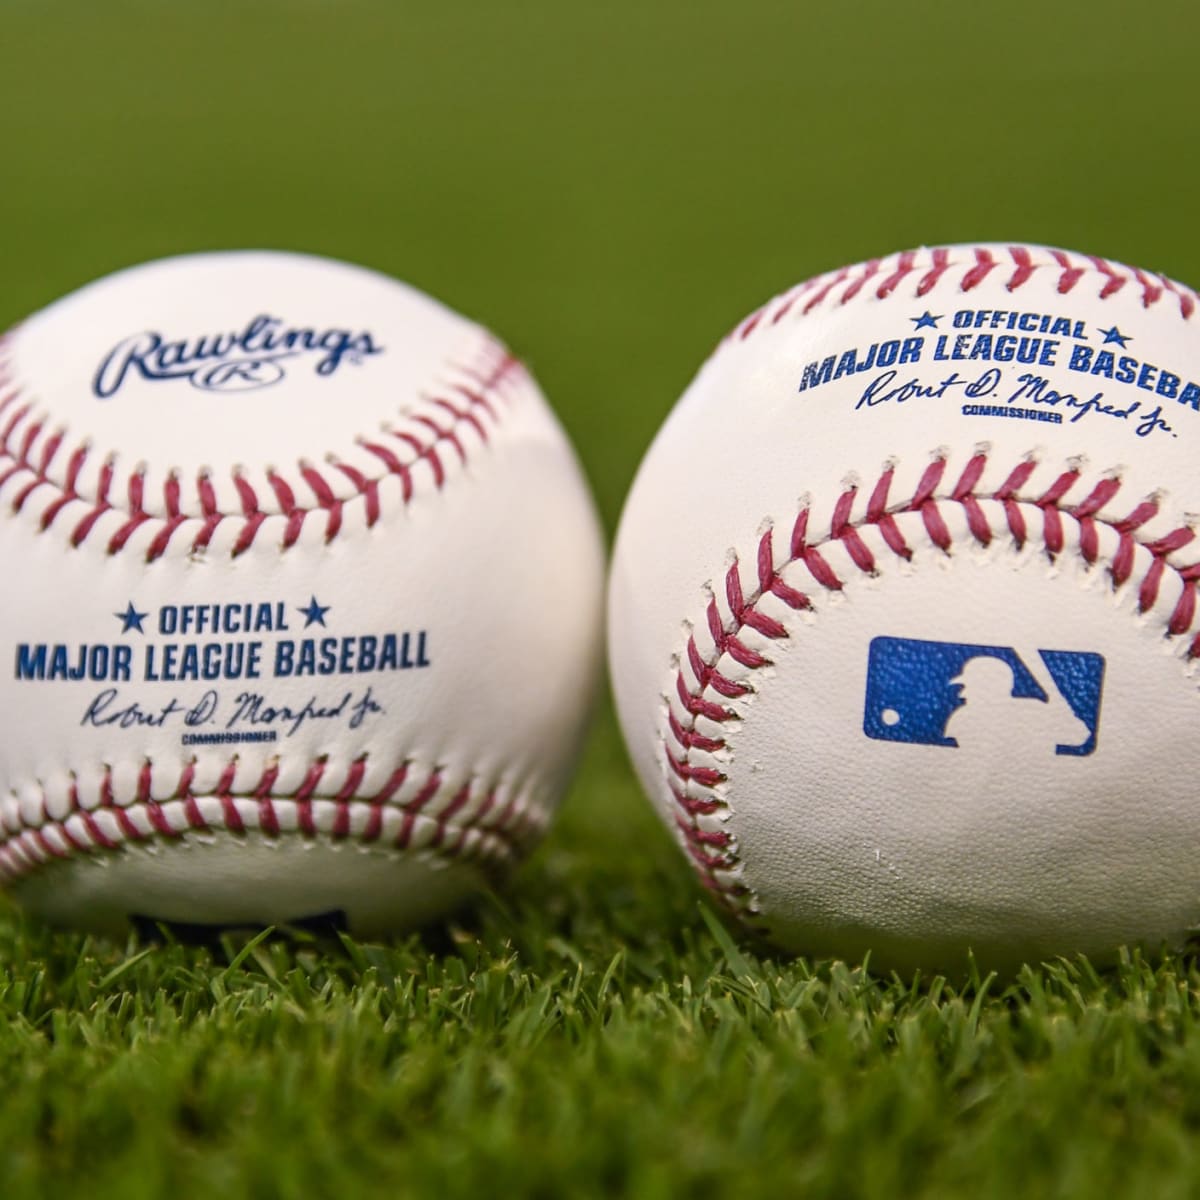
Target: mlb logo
[{"x": 958, "y": 695}]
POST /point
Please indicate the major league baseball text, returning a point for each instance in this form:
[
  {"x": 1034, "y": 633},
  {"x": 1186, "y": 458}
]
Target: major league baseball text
[
  {"x": 193, "y": 651},
  {"x": 279, "y": 530},
  {"x": 937, "y": 584}
]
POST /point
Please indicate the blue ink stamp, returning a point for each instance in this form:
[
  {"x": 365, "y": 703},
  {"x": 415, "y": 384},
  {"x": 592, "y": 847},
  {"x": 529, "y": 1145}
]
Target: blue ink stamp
[{"x": 958, "y": 695}]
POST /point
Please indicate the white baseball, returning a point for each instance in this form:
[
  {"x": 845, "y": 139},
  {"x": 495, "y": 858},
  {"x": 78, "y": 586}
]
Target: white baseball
[
  {"x": 301, "y": 607},
  {"x": 903, "y": 621}
]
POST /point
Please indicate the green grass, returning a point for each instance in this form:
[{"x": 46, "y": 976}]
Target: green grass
[
  {"x": 611, "y": 187},
  {"x": 559, "y": 1054}
]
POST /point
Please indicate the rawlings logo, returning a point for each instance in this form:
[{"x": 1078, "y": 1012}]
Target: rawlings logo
[{"x": 229, "y": 362}]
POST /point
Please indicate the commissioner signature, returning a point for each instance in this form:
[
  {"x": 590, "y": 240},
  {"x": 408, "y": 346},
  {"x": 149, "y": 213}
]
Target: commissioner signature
[
  {"x": 255, "y": 710},
  {"x": 112, "y": 709},
  {"x": 1034, "y": 389},
  {"x": 1030, "y": 390},
  {"x": 881, "y": 390}
]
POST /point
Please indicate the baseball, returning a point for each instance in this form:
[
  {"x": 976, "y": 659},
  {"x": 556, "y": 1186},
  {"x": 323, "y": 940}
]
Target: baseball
[
  {"x": 301, "y": 612},
  {"x": 903, "y": 620}
]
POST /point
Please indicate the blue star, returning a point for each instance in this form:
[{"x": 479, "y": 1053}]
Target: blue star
[
  {"x": 314, "y": 614},
  {"x": 925, "y": 321},
  {"x": 1115, "y": 335},
  {"x": 131, "y": 619}
]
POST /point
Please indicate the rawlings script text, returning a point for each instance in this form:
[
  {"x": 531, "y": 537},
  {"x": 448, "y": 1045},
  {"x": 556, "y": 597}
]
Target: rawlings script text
[{"x": 227, "y": 362}]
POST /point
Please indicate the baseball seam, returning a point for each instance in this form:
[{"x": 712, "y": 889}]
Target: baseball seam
[
  {"x": 33, "y": 448},
  {"x": 840, "y": 287},
  {"x": 699, "y": 713},
  {"x": 704, "y": 688},
  {"x": 489, "y": 828}
]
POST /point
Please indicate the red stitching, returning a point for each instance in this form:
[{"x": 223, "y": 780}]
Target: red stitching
[
  {"x": 935, "y": 263},
  {"x": 1070, "y": 275},
  {"x": 941, "y": 264},
  {"x": 790, "y": 298},
  {"x": 905, "y": 264},
  {"x": 870, "y": 269},
  {"x": 827, "y": 287},
  {"x": 489, "y": 834},
  {"x": 695, "y": 786},
  {"x": 985, "y": 263},
  {"x": 1025, "y": 267},
  {"x": 29, "y": 449}
]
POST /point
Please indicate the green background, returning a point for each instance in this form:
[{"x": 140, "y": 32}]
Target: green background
[{"x": 610, "y": 187}]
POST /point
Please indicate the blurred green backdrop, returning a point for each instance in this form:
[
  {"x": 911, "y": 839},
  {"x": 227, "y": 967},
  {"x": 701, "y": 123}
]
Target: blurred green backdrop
[{"x": 610, "y": 186}]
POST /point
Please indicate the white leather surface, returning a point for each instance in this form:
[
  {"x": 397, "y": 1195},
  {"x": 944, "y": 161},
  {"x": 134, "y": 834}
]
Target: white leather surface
[
  {"x": 836, "y": 842},
  {"x": 472, "y": 532}
]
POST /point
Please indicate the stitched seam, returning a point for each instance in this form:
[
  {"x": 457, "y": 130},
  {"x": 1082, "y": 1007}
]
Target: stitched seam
[
  {"x": 32, "y": 445},
  {"x": 695, "y": 787},
  {"x": 504, "y": 826},
  {"x": 1014, "y": 266}
]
